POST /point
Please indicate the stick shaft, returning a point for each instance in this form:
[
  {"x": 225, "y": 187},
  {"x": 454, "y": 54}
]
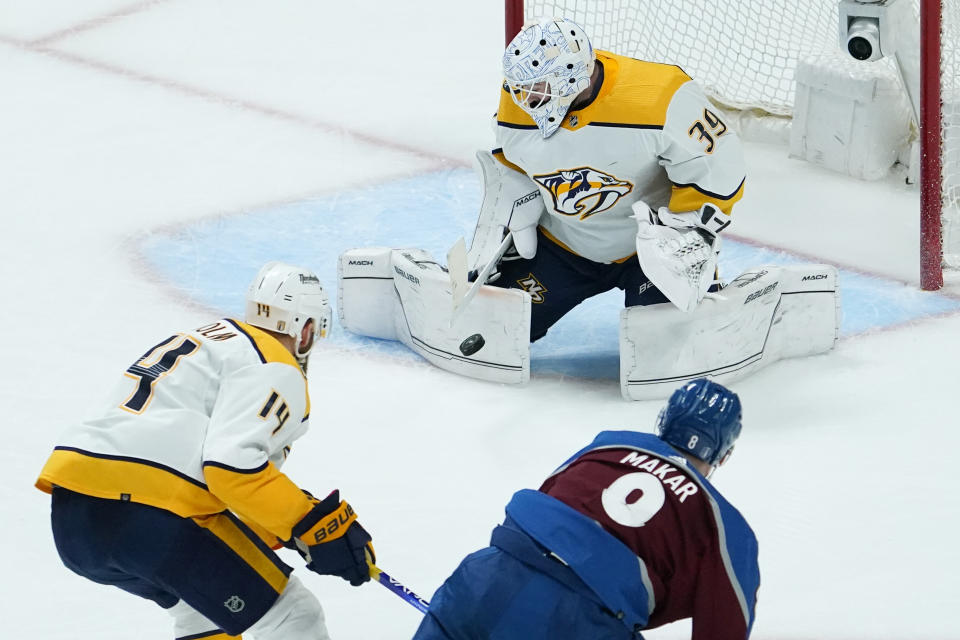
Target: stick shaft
[
  {"x": 457, "y": 269},
  {"x": 481, "y": 278},
  {"x": 396, "y": 587}
]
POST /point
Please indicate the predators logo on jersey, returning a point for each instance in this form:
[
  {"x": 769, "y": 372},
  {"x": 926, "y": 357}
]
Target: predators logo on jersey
[{"x": 583, "y": 191}]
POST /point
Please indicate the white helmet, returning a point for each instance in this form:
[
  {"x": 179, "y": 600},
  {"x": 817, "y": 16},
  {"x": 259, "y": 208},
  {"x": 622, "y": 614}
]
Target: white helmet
[
  {"x": 546, "y": 66},
  {"x": 283, "y": 298}
]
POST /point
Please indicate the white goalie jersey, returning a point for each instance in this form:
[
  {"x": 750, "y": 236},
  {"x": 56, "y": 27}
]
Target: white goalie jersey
[
  {"x": 200, "y": 424},
  {"x": 648, "y": 133}
]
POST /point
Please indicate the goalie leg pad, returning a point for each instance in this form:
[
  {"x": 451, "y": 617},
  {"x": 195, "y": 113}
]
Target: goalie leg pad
[
  {"x": 490, "y": 337},
  {"x": 405, "y": 295},
  {"x": 765, "y": 314},
  {"x": 366, "y": 299}
]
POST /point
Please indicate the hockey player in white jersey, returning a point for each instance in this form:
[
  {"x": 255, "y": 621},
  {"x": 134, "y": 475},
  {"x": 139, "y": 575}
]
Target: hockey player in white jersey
[
  {"x": 609, "y": 172},
  {"x": 173, "y": 491}
]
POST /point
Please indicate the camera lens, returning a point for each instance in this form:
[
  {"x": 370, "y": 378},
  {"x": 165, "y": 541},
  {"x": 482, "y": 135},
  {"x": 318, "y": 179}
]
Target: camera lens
[{"x": 860, "y": 48}]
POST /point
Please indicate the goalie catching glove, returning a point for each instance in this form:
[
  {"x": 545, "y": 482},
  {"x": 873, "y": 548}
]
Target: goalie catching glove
[
  {"x": 678, "y": 251},
  {"x": 332, "y": 541}
]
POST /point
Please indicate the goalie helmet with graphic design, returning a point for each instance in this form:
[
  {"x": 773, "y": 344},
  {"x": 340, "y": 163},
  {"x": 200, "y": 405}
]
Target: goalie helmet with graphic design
[
  {"x": 702, "y": 418},
  {"x": 545, "y": 67},
  {"x": 283, "y": 298}
]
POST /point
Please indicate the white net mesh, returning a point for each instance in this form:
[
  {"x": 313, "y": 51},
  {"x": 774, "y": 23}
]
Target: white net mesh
[
  {"x": 950, "y": 89},
  {"x": 744, "y": 53}
]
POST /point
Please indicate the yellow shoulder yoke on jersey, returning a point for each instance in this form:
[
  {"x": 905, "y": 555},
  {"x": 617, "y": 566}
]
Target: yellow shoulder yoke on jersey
[
  {"x": 634, "y": 93},
  {"x": 270, "y": 350},
  {"x": 268, "y": 347}
]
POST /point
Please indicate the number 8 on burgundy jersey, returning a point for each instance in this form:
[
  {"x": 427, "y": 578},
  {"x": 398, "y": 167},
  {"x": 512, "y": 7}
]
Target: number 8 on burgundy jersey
[{"x": 697, "y": 551}]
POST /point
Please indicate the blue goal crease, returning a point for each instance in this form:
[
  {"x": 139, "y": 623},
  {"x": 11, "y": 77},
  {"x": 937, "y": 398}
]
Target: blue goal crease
[{"x": 212, "y": 262}]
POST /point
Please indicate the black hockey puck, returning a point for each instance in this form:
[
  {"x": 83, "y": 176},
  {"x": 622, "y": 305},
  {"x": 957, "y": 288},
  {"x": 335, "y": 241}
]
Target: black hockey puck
[{"x": 472, "y": 344}]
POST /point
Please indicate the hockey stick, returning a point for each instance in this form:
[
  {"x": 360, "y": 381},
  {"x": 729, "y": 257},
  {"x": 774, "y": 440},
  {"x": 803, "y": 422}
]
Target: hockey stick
[
  {"x": 457, "y": 266},
  {"x": 396, "y": 587},
  {"x": 457, "y": 270}
]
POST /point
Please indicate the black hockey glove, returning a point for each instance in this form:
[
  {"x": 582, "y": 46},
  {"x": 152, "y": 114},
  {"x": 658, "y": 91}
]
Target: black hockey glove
[
  {"x": 509, "y": 256},
  {"x": 332, "y": 541}
]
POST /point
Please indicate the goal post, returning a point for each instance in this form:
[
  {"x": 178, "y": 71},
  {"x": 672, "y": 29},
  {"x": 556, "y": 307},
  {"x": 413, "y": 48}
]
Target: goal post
[
  {"x": 932, "y": 202},
  {"x": 513, "y": 19},
  {"x": 755, "y": 71}
]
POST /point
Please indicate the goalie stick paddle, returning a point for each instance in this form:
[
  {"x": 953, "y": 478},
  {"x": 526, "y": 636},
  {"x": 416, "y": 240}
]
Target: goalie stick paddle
[
  {"x": 396, "y": 587},
  {"x": 460, "y": 303},
  {"x": 457, "y": 270}
]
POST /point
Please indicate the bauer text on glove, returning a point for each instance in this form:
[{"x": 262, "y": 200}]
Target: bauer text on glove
[{"x": 333, "y": 542}]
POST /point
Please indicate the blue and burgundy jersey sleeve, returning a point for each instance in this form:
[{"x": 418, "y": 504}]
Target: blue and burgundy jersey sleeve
[{"x": 698, "y": 551}]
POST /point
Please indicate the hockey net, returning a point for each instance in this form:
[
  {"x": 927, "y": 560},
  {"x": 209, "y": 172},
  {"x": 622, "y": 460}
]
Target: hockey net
[
  {"x": 950, "y": 131},
  {"x": 745, "y": 52}
]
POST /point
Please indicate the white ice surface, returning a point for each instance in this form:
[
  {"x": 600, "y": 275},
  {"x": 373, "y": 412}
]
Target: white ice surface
[{"x": 119, "y": 118}]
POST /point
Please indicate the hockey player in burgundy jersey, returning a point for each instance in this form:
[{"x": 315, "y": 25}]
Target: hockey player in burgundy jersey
[{"x": 668, "y": 545}]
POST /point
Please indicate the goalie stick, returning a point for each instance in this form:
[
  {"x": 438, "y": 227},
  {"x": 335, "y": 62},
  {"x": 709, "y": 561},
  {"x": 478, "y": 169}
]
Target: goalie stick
[
  {"x": 396, "y": 587},
  {"x": 457, "y": 267}
]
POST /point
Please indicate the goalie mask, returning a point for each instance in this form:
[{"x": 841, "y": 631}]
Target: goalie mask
[
  {"x": 546, "y": 66},
  {"x": 702, "y": 418},
  {"x": 283, "y": 298}
]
